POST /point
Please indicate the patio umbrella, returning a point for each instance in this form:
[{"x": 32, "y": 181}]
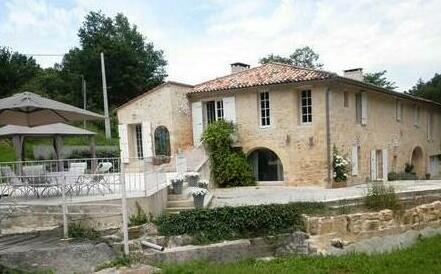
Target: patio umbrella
[{"x": 29, "y": 109}]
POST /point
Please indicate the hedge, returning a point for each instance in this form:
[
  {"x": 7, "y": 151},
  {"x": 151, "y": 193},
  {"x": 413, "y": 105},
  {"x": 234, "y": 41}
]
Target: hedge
[{"x": 227, "y": 223}]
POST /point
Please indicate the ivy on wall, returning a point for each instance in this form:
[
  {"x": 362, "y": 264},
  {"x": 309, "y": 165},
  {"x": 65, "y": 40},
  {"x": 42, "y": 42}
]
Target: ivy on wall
[{"x": 229, "y": 166}]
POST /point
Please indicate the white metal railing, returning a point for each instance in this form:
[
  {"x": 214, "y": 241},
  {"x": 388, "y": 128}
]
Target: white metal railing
[{"x": 77, "y": 178}]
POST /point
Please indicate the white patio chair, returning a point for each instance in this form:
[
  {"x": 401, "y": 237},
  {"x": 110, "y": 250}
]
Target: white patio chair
[
  {"x": 99, "y": 179},
  {"x": 12, "y": 184},
  {"x": 35, "y": 176},
  {"x": 75, "y": 177}
]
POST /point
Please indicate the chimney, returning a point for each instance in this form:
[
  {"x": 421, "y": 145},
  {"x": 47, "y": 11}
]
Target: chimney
[
  {"x": 354, "y": 74},
  {"x": 237, "y": 67}
]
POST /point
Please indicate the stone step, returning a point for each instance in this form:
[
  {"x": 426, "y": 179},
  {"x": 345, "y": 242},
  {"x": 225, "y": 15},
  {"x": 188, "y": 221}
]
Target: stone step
[
  {"x": 180, "y": 203},
  {"x": 178, "y": 197},
  {"x": 176, "y": 210}
]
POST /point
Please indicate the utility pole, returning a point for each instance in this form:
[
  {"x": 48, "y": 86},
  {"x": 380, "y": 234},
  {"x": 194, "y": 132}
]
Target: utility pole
[
  {"x": 106, "y": 104},
  {"x": 84, "y": 97}
]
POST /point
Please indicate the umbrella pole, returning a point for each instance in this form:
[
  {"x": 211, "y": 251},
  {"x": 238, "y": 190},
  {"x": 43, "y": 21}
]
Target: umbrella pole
[{"x": 58, "y": 145}]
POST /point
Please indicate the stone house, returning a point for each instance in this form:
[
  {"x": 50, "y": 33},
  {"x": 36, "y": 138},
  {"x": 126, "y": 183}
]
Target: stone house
[{"x": 288, "y": 121}]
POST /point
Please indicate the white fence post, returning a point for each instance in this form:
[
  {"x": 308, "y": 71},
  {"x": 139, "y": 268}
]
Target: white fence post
[
  {"x": 124, "y": 211},
  {"x": 64, "y": 208}
]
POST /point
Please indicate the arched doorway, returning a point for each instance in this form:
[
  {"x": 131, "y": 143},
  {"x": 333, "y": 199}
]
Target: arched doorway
[
  {"x": 162, "y": 141},
  {"x": 417, "y": 161},
  {"x": 266, "y": 165}
]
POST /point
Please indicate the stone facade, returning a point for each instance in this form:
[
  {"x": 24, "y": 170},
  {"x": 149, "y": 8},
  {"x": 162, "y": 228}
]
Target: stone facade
[
  {"x": 384, "y": 142},
  {"x": 300, "y": 147},
  {"x": 399, "y": 136},
  {"x": 165, "y": 105}
]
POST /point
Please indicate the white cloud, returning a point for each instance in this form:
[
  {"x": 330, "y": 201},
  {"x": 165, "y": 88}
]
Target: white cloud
[{"x": 400, "y": 36}]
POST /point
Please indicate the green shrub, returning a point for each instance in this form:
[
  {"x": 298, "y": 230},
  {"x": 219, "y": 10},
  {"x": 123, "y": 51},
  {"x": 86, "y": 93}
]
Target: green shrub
[
  {"x": 394, "y": 176},
  {"x": 229, "y": 167},
  {"x": 227, "y": 223},
  {"x": 139, "y": 218},
  {"x": 81, "y": 231},
  {"x": 381, "y": 197},
  {"x": 117, "y": 262},
  {"x": 408, "y": 168}
]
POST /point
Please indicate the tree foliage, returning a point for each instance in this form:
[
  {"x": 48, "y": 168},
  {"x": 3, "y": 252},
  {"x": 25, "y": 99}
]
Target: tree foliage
[
  {"x": 133, "y": 65},
  {"x": 430, "y": 90},
  {"x": 304, "y": 57},
  {"x": 379, "y": 79},
  {"x": 15, "y": 71}
]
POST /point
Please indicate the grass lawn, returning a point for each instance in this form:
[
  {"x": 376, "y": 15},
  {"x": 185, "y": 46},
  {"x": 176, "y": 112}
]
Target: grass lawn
[{"x": 424, "y": 257}]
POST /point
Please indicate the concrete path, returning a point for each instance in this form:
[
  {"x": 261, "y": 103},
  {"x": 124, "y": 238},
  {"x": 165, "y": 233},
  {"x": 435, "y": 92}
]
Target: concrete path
[{"x": 280, "y": 194}]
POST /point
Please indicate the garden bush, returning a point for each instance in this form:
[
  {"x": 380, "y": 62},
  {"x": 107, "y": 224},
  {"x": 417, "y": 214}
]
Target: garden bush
[
  {"x": 227, "y": 223},
  {"x": 139, "y": 218},
  {"x": 229, "y": 167},
  {"x": 380, "y": 196},
  {"x": 83, "y": 232},
  {"x": 394, "y": 176}
]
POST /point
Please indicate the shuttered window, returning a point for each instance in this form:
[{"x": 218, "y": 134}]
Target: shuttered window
[
  {"x": 399, "y": 110},
  {"x": 416, "y": 115}
]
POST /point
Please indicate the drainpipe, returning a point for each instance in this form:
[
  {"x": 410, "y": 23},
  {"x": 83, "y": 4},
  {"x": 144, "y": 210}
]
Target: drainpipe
[{"x": 328, "y": 137}]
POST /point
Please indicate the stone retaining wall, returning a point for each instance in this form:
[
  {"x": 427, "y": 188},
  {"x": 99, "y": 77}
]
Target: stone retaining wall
[
  {"x": 104, "y": 214},
  {"x": 353, "y": 227}
]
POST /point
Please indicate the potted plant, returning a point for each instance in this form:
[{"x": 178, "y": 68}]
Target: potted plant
[
  {"x": 203, "y": 184},
  {"x": 198, "y": 196},
  {"x": 192, "y": 178},
  {"x": 427, "y": 176},
  {"x": 177, "y": 184}
]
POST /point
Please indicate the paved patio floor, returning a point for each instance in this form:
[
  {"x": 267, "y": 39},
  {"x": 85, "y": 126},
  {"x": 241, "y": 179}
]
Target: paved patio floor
[{"x": 280, "y": 194}]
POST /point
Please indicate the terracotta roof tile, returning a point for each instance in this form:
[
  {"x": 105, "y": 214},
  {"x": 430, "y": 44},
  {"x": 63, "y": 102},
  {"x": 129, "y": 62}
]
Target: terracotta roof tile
[{"x": 268, "y": 74}]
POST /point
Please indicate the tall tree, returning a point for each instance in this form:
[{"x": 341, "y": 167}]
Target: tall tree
[
  {"x": 430, "y": 90},
  {"x": 15, "y": 70},
  {"x": 304, "y": 57},
  {"x": 379, "y": 79},
  {"x": 132, "y": 64}
]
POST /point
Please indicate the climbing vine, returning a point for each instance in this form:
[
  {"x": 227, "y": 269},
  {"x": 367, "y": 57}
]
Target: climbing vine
[{"x": 229, "y": 166}]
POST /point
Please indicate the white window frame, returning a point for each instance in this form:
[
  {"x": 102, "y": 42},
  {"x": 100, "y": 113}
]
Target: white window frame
[
  {"x": 218, "y": 110},
  {"x": 266, "y": 109},
  {"x": 301, "y": 107},
  {"x": 138, "y": 140}
]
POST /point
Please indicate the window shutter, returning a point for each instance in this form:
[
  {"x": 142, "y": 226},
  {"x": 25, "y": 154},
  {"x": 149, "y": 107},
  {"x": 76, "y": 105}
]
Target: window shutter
[
  {"x": 354, "y": 160},
  {"x": 229, "y": 109},
  {"x": 196, "y": 116},
  {"x": 385, "y": 164},
  {"x": 364, "y": 110},
  {"x": 123, "y": 143},
  {"x": 147, "y": 143},
  {"x": 373, "y": 165}
]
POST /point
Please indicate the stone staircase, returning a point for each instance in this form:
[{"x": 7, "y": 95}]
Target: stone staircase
[
  {"x": 179, "y": 202},
  {"x": 195, "y": 159}
]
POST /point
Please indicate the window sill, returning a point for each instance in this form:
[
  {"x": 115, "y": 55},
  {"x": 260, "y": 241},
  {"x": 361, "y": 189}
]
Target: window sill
[
  {"x": 264, "y": 127},
  {"x": 305, "y": 124}
]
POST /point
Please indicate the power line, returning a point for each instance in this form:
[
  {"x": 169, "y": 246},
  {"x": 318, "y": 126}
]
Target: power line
[{"x": 41, "y": 54}]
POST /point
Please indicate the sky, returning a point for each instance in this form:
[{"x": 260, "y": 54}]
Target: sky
[{"x": 200, "y": 38}]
